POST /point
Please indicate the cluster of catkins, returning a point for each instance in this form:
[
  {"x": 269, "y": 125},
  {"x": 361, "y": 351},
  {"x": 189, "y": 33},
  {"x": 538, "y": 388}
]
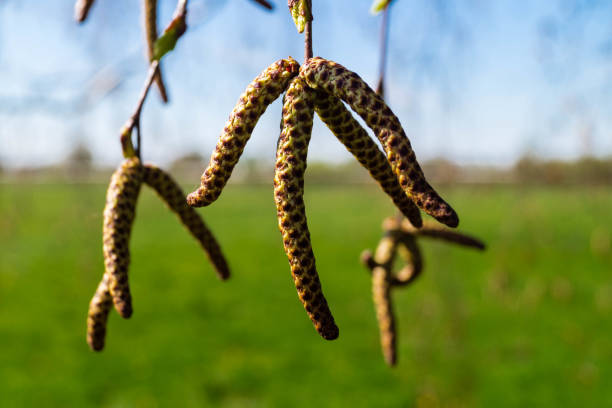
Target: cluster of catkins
[
  {"x": 119, "y": 213},
  {"x": 320, "y": 86},
  {"x": 400, "y": 236}
]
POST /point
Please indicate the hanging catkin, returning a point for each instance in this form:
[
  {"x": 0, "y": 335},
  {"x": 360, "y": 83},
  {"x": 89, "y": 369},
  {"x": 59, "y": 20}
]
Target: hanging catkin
[{"x": 292, "y": 149}]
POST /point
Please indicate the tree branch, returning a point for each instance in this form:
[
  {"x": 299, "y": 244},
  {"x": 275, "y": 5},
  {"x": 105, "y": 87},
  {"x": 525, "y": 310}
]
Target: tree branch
[{"x": 134, "y": 121}]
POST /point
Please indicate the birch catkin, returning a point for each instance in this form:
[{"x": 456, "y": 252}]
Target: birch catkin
[
  {"x": 340, "y": 121},
  {"x": 381, "y": 290},
  {"x": 380, "y": 266},
  {"x": 119, "y": 215},
  {"x": 170, "y": 192},
  {"x": 97, "y": 317},
  {"x": 150, "y": 24},
  {"x": 298, "y": 111},
  {"x": 348, "y": 86},
  {"x": 260, "y": 93},
  {"x": 413, "y": 261}
]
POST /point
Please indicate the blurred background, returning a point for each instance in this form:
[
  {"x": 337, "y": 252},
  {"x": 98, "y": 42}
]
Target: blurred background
[{"x": 508, "y": 106}]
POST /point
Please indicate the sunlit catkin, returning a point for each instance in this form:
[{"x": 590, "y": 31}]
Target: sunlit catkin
[
  {"x": 174, "y": 197},
  {"x": 260, "y": 93},
  {"x": 348, "y": 86},
  {"x": 119, "y": 215},
  {"x": 292, "y": 149},
  {"x": 150, "y": 25},
  {"x": 340, "y": 121},
  {"x": 99, "y": 307}
]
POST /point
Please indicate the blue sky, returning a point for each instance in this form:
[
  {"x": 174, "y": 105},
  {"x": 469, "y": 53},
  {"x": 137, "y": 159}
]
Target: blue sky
[{"x": 475, "y": 81}]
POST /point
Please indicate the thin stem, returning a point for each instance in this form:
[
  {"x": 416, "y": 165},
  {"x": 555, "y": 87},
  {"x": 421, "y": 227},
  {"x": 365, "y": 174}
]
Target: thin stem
[
  {"x": 308, "y": 36},
  {"x": 384, "y": 41},
  {"x": 134, "y": 121}
]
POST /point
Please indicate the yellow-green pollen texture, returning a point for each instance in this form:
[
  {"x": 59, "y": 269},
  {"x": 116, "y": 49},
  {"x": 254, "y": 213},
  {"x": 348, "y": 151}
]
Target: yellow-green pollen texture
[
  {"x": 174, "y": 197},
  {"x": 119, "y": 215},
  {"x": 348, "y": 86},
  {"x": 340, "y": 121},
  {"x": 150, "y": 25},
  {"x": 99, "y": 307},
  {"x": 298, "y": 111},
  {"x": 260, "y": 93}
]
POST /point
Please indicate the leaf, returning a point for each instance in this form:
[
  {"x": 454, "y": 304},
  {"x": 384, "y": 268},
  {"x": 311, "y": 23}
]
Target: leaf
[
  {"x": 379, "y": 5},
  {"x": 167, "y": 41},
  {"x": 301, "y": 13}
]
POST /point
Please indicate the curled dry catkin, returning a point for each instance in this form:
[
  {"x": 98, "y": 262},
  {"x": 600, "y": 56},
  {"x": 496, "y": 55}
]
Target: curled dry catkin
[
  {"x": 413, "y": 260},
  {"x": 99, "y": 307},
  {"x": 381, "y": 290},
  {"x": 348, "y": 86},
  {"x": 264, "y": 89},
  {"x": 380, "y": 266},
  {"x": 81, "y": 9},
  {"x": 298, "y": 111},
  {"x": 340, "y": 121},
  {"x": 173, "y": 196},
  {"x": 119, "y": 215},
  {"x": 150, "y": 24}
]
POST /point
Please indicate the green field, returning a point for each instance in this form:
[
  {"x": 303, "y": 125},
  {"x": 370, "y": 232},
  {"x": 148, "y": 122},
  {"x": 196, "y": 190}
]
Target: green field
[{"x": 526, "y": 323}]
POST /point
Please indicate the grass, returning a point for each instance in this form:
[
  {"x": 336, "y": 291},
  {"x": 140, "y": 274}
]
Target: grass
[{"x": 526, "y": 323}]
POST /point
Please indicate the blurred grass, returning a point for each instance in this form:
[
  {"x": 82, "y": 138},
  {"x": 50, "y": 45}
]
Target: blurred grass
[{"x": 528, "y": 322}]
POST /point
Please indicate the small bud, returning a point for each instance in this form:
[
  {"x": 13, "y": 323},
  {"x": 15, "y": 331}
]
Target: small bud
[
  {"x": 301, "y": 13},
  {"x": 379, "y": 5}
]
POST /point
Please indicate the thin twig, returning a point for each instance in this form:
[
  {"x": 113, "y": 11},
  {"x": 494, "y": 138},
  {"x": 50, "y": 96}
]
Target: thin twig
[
  {"x": 308, "y": 36},
  {"x": 382, "y": 65},
  {"x": 134, "y": 121}
]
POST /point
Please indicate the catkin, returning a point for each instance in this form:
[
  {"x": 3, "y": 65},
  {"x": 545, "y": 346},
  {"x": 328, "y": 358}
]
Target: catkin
[
  {"x": 342, "y": 124},
  {"x": 99, "y": 307},
  {"x": 81, "y": 9},
  {"x": 413, "y": 260},
  {"x": 348, "y": 86},
  {"x": 150, "y": 25},
  {"x": 434, "y": 231},
  {"x": 298, "y": 111},
  {"x": 381, "y": 289},
  {"x": 260, "y": 93},
  {"x": 119, "y": 215},
  {"x": 174, "y": 197}
]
